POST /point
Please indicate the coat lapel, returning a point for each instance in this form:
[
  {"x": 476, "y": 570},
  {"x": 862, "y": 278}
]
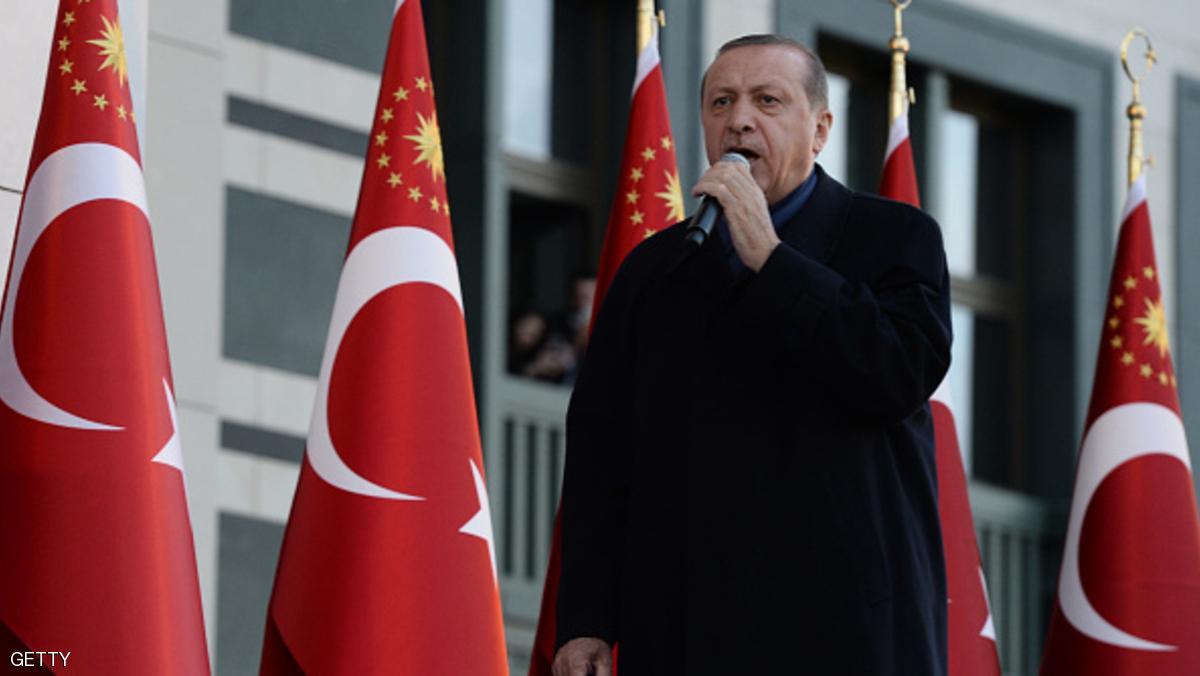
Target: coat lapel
[{"x": 816, "y": 228}]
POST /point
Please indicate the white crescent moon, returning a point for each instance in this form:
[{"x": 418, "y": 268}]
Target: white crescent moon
[
  {"x": 384, "y": 259},
  {"x": 1119, "y": 435},
  {"x": 67, "y": 178}
]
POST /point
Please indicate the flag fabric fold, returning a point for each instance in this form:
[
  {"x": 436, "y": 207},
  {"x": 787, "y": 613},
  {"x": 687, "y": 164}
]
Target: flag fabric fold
[
  {"x": 388, "y": 563},
  {"x": 648, "y": 199},
  {"x": 1128, "y": 598},
  {"x": 98, "y": 557},
  {"x": 970, "y": 632}
]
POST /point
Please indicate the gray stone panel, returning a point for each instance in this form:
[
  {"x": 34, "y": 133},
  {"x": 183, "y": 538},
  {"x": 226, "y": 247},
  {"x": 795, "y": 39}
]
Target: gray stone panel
[
  {"x": 248, "y": 552},
  {"x": 257, "y": 441},
  {"x": 282, "y": 262},
  {"x": 1187, "y": 250},
  {"x": 353, "y": 32},
  {"x": 305, "y": 129}
]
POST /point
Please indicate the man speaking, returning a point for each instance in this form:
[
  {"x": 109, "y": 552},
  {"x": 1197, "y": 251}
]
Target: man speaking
[{"x": 750, "y": 482}]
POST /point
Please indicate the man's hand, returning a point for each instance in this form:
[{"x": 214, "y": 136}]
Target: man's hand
[
  {"x": 745, "y": 207},
  {"x": 584, "y": 656}
]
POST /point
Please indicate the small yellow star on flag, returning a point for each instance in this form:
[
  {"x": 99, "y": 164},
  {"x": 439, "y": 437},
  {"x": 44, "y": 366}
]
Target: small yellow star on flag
[
  {"x": 422, "y": 84},
  {"x": 401, "y": 94},
  {"x": 394, "y": 179},
  {"x": 1130, "y": 282},
  {"x": 386, "y": 115},
  {"x": 1113, "y": 322},
  {"x": 637, "y": 217},
  {"x": 63, "y": 44},
  {"x": 414, "y": 194},
  {"x": 383, "y": 160},
  {"x": 635, "y": 174},
  {"x": 68, "y": 18},
  {"x": 122, "y": 113},
  {"x": 666, "y": 143},
  {"x": 434, "y": 204},
  {"x": 648, "y": 154},
  {"x": 649, "y": 234},
  {"x": 1118, "y": 301},
  {"x": 65, "y": 67},
  {"x": 1148, "y": 272},
  {"x": 100, "y": 101},
  {"x": 381, "y": 138},
  {"x": 631, "y": 197},
  {"x": 79, "y": 87},
  {"x": 1162, "y": 378},
  {"x": 1146, "y": 371},
  {"x": 1127, "y": 358},
  {"x": 446, "y": 207},
  {"x": 1117, "y": 342}
]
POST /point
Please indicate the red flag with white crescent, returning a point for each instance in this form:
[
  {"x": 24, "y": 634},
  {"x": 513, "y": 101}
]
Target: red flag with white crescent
[
  {"x": 648, "y": 199},
  {"x": 970, "y": 632},
  {"x": 98, "y": 558},
  {"x": 1128, "y": 597},
  {"x": 388, "y": 564}
]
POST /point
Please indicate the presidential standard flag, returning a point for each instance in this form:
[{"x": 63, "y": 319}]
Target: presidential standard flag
[
  {"x": 97, "y": 562},
  {"x": 1128, "y": 599},
  {"x": 648, "y": 199},
  {"x": 970, "y": 632},
  {"x": 388, "y": 563}
]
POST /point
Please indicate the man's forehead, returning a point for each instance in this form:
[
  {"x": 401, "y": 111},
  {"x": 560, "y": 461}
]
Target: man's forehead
[{"x": 757, "y": 66}]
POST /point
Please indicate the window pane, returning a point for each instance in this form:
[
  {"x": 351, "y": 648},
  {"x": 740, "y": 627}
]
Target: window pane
[
  {"x": 960, "y": 378},
  {"x": 993, "y": 452},
  {"x": 529, "y": 32},
  {"x": 833, "y": 155},
  {"x": 550, "y": 288},
  {"x": 955, "y": 208}
]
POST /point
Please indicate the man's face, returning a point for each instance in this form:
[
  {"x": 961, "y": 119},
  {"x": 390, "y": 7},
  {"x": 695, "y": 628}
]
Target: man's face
[{"x": 754, "y": 104}]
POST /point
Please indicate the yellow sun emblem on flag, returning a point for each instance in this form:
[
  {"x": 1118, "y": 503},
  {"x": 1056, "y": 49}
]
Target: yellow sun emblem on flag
[
  {"x": 428, "y": 140},
  {"x": 673, "y": 196},
  {"x": 112, "y": 48},
  {"x": 1154, "y": 323}
]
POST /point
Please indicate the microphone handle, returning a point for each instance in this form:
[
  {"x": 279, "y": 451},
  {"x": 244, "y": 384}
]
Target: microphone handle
[{"x": 703, "y": 221}]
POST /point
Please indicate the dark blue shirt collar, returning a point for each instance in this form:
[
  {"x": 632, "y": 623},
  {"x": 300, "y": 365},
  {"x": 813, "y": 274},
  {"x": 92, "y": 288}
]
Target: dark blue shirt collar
[{"x": 783, "y": 210}]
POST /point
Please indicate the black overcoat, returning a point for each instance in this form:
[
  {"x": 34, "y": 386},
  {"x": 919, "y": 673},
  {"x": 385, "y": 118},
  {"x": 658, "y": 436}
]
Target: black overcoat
[{"x": 750, "y": 483}]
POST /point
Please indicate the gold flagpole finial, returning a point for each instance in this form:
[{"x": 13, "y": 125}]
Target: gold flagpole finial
[
  {"x": 1136, "y": 111},
  {"x": 645, "y": 22},
  {"x": 901, "y": 94}
]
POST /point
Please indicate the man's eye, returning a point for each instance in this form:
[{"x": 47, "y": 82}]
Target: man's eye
[
  {"x": 767, "y": 98},
  {"x": 720, "y": 101}
]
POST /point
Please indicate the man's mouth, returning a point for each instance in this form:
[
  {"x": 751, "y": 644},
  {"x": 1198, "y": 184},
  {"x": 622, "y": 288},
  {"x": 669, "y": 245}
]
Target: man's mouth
[{"x": 744, "y": 152}]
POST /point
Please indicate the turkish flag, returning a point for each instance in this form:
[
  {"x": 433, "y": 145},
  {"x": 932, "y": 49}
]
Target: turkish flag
[
  {"x": 1128, "y": 597},
  {"x": 388, "y": 563},
  {"x": 970, "y": 632},
  {"x": 648, "y": 199},
  {"x": 97, "y": 557}
]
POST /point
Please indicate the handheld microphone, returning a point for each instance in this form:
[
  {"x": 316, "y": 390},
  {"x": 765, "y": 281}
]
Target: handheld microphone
[{"x": 709, "y": 210}]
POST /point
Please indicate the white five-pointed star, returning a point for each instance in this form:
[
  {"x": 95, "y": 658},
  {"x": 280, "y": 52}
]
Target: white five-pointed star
[{"x": 480, "y": 525}]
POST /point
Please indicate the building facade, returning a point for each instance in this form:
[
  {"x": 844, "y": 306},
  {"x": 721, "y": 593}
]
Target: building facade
[{"x": 254, "y": 117}]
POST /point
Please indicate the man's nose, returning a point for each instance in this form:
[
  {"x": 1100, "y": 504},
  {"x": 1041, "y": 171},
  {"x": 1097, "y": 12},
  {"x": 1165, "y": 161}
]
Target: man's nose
[{"x": 741, "y": 116}]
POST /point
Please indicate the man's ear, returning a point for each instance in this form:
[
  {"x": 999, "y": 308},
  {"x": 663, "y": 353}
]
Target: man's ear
[{"x": 824, "y": 123}]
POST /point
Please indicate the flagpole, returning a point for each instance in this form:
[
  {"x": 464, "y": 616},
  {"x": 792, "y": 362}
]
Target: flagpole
[
  {"x": 901, "y": 93},
  {"x": 1136, "y": 111},
  {"x": 646, "y": 17}
]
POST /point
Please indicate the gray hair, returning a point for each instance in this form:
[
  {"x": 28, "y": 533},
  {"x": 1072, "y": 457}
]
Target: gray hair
[{"x": 816, "y": 84}]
